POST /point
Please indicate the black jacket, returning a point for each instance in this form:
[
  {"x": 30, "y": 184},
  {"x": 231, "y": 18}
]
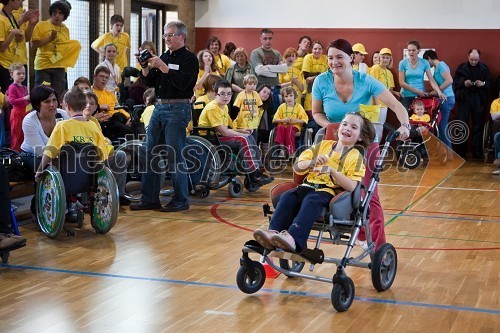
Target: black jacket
[{"x": 462, "y": 74}]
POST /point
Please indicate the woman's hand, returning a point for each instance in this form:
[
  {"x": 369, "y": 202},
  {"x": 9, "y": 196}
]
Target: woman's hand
[
  {"x": 404, "y": 133},
  {"x": 38, "y": 176},
  {"x": 442, "y": 96}
]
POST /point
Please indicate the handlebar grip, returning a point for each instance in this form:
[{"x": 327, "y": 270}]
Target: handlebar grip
[{"x": 393, "y": 137}]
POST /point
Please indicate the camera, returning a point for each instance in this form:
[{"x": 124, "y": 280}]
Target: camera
[{"x": 144, "y": 55}]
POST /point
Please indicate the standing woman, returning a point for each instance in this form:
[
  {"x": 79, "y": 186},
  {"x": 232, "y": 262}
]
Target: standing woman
[
  {"x": 235, "y": 75},
  {"x": 411, "y": 76},
  {"x": 55, "y": 51},
  {"x": 444, "y": 81},
  {"x": 382, "y": 73},
  {"x": 314, "y": 64},
  {"x": 341, "y": 90},
  {"x": 207, "y": 66}
]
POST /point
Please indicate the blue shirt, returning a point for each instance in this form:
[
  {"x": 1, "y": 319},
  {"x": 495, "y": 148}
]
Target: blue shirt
[
  {"x": 413, "y": 76},
  {"x": 438, "y": 76},
  {"x": 365, "y": 87}
]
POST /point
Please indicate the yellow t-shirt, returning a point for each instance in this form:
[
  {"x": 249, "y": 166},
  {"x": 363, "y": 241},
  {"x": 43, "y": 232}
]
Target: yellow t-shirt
[
  {"x": 62, "y": 52},
  {"x": 352, "y": 165},
  {"x": 17, "y": 52},
  {"x": 297, "y": 112},
  {"x": 223, "y": 63},
  {"x": 288, "y": 76},
  {"x": 423, "y": 118},
  {"x": 248, "y": 101},
  {"x": 495, "y": 106},
  {"x": 313, "y": 66},
  {"x": 147, "y": 114},
  {"x": 299, "y": 63},
  {"x": 122, "y": 43},
  {"x": 214, "y": 115},
  {"x": 384, "y": 76},
  {"x": 245, "y": 119},
  {"x": 73, "y": 130},
  {"x": 107, "y": 97}
]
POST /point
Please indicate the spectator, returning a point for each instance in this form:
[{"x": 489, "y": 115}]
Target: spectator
[
  {"x": 117, "y": 37},
  {"x": 222, "y": 61}
]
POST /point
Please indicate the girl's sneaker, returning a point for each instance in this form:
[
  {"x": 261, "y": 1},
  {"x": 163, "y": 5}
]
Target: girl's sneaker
[
  {"x": 263, "y": 237},
  {"x": 284, "y": 241}
]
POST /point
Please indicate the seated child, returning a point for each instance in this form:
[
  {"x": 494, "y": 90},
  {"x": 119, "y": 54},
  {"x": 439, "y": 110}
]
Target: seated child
[
  {"x": 202, "y": 101},
  {"x": 247, "y": 106},
  {"x": 330, "y": 167},
  {"x": 80, "y": 129},
  {"x": 419, "y": 116},
  {"x": 149, "y": 98},
  {"x": 216, "y": 115},
  {"x": 290, "y": 117},
  {"x": 495, "y": 117}
]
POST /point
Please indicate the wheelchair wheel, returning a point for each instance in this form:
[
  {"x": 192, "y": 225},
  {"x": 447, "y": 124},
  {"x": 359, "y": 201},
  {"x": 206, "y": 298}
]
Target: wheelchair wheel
[
  {"x": 342, "y": 299},
  {"x": 246, "y": 283},
  {"x": 235, "y": 188},
  {"x": 411, "y": 159},
  {"x": 292, "y": 266},
  {"x": 104, "y": 204},
  {"x": 384, "y": 267},
  {"x": 487, "y": 140},
  {"x": 51, "y": 202}
]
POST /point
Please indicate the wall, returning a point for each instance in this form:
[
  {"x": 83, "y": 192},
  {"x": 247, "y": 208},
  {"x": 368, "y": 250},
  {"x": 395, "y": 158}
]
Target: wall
[{"x": 452, "y": 27}]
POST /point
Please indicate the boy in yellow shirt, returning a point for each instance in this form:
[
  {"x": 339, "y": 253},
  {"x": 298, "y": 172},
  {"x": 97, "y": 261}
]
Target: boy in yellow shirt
[
  {"x": 247, "y": 104},
  {"x": 117, "y": 37},
  {"x": 215, "y": 115}
]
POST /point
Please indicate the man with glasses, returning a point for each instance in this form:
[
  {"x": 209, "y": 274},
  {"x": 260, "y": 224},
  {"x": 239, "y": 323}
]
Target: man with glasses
[
  {"x": 267, "y": 63},
  {"x": 173, "y": 75}
]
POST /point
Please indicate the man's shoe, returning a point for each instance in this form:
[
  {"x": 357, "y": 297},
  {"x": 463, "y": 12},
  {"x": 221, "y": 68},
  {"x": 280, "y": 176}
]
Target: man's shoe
[
  {"x": 145, "y": 206},
  {"x": 284, "y": 241},
  {"x": 7, "y": 241},
  {"x": 174, "y": 207},
  {"x": 263, "y": 237},
  {"x": 124, "y": 201}
]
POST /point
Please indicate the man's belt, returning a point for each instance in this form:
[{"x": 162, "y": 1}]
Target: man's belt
[{"x": 173, "y": 101}]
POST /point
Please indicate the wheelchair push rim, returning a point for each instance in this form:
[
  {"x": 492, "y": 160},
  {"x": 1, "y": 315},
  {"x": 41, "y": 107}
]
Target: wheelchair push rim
[
  {"x": 104, "y": 206},
  {"x": 51, "y": 202}
]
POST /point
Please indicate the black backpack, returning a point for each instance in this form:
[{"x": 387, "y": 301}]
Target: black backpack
[{"x": 14, "y": 165}]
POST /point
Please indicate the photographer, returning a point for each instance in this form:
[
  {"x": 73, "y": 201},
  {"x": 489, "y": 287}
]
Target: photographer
[{"x": 173, "y": 75}]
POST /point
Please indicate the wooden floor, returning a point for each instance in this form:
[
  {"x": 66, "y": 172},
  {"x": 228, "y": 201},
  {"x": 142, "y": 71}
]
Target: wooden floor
[{"x": 175, "y": 272}]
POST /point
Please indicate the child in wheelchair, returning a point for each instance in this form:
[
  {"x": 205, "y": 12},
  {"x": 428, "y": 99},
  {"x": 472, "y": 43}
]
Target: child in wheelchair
[
  {"x": 331, "y": 166},
  {"x": 215, "y": 115},
  {"x": 80, "y": 130},
  {"x": 289, "y": 119}
]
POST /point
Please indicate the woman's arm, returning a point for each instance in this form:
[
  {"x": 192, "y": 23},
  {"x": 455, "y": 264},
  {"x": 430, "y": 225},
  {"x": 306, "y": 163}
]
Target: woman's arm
[
  {"x": 318, "y": 113},
  {"x": 434, "y": 85},
  {"x": 392, "y": 103}
]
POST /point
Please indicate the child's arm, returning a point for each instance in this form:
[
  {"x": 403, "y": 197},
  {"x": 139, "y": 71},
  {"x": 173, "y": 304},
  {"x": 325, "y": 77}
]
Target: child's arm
[
  {"x": 44, "y": 41},
  {"x": 337, "y": 177}
]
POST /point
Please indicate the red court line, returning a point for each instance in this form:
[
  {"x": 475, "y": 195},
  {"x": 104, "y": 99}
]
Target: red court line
[{"x": 216, "y": 215}]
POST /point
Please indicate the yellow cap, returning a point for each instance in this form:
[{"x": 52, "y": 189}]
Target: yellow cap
[
  {"x": 385, "y": 50},
  {"x": 358, "y": 47}
]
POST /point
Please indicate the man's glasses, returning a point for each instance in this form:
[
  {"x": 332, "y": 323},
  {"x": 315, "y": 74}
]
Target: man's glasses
[
  {"x": 225, "y": 95},
  {"x": 165, "y": 36}
]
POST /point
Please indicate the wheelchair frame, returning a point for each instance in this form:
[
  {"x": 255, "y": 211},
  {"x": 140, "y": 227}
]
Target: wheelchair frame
[
  {"x": 383, "y": 262},
  {"x": 51, "y": 204}
]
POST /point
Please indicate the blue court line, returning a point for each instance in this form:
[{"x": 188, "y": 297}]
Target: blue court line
[
  {"x": 441, "y": 217},
  {"x": 279, "y": 291}
]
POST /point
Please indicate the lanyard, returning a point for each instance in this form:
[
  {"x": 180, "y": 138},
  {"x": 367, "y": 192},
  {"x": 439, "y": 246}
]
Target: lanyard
[{"x": 12, "y": 20}]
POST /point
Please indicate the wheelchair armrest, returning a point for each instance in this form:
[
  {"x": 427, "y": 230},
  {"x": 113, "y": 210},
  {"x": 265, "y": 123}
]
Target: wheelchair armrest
[{"x": 279, "y": 189}]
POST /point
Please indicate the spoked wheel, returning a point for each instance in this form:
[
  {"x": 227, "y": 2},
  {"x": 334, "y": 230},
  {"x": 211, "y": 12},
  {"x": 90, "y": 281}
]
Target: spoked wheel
[
  {"x": 235, "y": 188},
  {"x": 487, "y": 140},
  {"x": 384, "y": 267},
  {"x": 341, "y": 298},
  {"x": 51, "y": 202},
  {"x": 292, "y": 266},
  {"x": 104, "y": 204},
  {"x": 246, "y": 282},
  {"x": 411, "y": 159}
]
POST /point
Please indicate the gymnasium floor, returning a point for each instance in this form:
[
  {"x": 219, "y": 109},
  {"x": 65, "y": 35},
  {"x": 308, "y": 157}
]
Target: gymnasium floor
[{"x": 175, "y": 272}]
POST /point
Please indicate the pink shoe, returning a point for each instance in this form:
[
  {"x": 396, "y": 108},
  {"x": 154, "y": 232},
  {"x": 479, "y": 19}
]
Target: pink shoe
[
  {"x": 264, "y": 237},
  {"x": 284, "y": 241}
]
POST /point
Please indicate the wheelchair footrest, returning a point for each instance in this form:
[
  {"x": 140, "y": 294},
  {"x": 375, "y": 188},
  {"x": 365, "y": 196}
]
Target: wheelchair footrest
[
  {"x": 315, "y": 256},
  {"x": 343, "y": 222}
]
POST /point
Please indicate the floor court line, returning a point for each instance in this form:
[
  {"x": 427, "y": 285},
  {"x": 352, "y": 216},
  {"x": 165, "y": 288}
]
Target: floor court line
[{"x": 266, "y": 290}]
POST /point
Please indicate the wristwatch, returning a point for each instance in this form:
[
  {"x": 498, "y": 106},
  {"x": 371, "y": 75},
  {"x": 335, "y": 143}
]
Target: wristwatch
[{"x": 408, "y": 126}]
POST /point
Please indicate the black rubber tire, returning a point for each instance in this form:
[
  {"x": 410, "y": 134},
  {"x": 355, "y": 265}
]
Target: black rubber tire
[
  {"x": 384, "y": 267},
  {"x": 411, "y": 160},
  {"x": 235, "y": 188},
  {"x": 340, "y": 301},
  {"x": 296, "y": 266},
  {"x": 245, "y": 283}
]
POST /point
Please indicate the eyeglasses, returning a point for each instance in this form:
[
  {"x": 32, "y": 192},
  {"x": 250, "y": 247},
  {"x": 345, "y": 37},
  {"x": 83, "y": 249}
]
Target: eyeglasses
[
  {"x": 225, "y": 95},
  {"x": 164, "y": 36}
]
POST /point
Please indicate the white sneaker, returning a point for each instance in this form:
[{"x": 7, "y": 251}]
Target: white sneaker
[
  {"x": 362, "y": 244},
  {"x": 284, "y": 241},
  {"x": 497, "y": 172},
  {"x": 263, "y": 237}
]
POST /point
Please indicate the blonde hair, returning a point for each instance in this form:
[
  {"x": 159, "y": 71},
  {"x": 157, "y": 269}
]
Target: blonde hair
[
  {"x": 249, "y": 78},
  {"x": 15, "y": 67}
]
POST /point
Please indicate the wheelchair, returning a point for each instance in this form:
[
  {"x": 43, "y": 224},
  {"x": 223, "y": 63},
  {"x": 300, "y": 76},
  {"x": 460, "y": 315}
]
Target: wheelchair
[
  {"x": 490, "y": 128},
  {"x": 277, "y": 153},
  {"x": 79, "y": 179},
  {"x": 347, "y": 213}
]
